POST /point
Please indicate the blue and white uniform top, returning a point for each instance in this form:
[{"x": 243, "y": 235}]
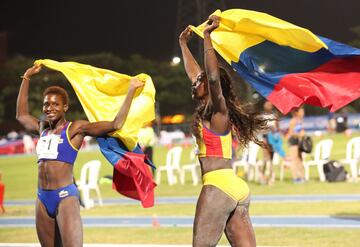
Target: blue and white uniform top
[
  {"x": 298, "y": 127},
  {"x": 56, "y": 147}
]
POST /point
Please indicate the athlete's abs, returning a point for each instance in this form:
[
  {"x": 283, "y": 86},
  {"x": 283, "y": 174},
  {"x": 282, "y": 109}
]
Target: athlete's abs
[
  {"x": 209, "y": 164},
  {"x": 54, "y": 174},
  {"x": 56, "y": 156}
]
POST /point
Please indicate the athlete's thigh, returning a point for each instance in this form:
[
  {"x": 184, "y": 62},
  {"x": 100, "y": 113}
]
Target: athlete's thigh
[
  {"x": 294, "y": 152},
  {"x": 45, "y": 226},
  {"x": 69, "y": 222},
  {"x": 212, "y": 211},
  {"x": 239, "y": 230}
]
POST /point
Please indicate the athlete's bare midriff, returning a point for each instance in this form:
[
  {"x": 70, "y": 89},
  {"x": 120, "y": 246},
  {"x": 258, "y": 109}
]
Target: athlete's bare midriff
[
  {"x": 54, "y": 175},
  {"x": 209, "y": 164}
]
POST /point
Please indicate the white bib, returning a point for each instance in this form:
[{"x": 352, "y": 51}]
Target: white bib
[{"x": 47, "y": 147}]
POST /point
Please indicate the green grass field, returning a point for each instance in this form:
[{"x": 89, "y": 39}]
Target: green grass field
[
  {"x": 264, "y": 236},
  {"x": 19, "y": 175},
  {"x": 257, "y": 208}
]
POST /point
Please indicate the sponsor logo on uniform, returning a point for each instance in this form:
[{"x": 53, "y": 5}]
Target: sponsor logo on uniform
[{"x": 63, "y": 193}]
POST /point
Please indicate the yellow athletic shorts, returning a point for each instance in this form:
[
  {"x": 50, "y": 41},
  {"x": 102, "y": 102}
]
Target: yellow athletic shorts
[{"x": 228, "y": 182}]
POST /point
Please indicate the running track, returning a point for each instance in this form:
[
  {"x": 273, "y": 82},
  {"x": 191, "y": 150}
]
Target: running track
[
  {"x": 192, "y": 200},
  {"x": 317, "y": 221},
  {"x": 320, "y": 221}
]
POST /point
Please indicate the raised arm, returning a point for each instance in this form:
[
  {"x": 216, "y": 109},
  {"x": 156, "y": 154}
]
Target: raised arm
[
  {"x": 100, "y": 128},
  {"x": 22, "y": 106},
  {"x": 192, "y": 68},
  {"x": 213, "y": 77}
]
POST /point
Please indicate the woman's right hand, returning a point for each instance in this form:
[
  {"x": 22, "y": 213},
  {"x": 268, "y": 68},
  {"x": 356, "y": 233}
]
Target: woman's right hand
[
  {"x": 185, "y": 35},
  {"x": 32, "y": 71},
  {"x": 136, "y": 83},
  {"x": 212, "y": 23}
]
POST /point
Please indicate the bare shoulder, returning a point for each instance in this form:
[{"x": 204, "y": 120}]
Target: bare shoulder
[
  {"x": 77, "y": 126},
  {"x": 79, "y": 123}
]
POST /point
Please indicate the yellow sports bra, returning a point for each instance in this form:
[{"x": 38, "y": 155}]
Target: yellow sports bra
[{"x": 214, "y": 145}]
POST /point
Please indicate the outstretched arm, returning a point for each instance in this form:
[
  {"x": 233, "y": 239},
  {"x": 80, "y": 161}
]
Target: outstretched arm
[
  {"x": 213, "y": 76},
  {"x": 192, "y": 68},
  {"x": 22, "y": 106},
  {"x": 100, "y": 128}
]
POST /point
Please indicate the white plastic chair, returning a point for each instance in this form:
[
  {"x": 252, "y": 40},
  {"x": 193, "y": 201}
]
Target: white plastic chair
[
  {"x": 173, "y": 158},
  {"x": 352, "y": 156},
  {"x": 192, "y": 168},
  {"x": 249, "y": 162},
  {"x": 321, "y": 156},
  {"x": 242, "y": 162},
  {"x": 89, "y": 177}
]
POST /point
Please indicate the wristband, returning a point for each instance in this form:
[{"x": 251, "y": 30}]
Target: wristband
[
  {"x": 25, "y": 78},
  {"x": 209, "y": 49}
]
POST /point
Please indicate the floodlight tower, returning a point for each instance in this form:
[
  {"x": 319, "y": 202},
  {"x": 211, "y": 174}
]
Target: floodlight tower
[{"x": 194, "y": 12}]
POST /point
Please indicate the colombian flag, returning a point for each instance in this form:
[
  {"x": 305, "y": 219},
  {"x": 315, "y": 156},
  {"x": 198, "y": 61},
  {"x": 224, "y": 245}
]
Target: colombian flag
[
  {"x": 101, "y": 93},
  {"x": 131, "y": 177},
  {"x": 286, "y": 64}
]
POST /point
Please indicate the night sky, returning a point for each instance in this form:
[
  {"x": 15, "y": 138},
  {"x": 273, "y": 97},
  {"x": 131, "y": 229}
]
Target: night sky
[{"x": 148, "y": 27}]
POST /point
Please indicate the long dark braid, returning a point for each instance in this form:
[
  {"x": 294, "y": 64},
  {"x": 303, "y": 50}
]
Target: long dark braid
[{"x": 246, "y": 123}]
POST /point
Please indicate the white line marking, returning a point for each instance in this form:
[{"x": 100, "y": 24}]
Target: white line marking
[{"x": 112, "y": 245}]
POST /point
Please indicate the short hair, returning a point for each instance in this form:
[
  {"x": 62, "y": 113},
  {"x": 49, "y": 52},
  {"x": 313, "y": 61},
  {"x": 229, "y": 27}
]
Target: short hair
[
  {"x": 58, "y": 91},
  {"x": 296, "y": 110}
]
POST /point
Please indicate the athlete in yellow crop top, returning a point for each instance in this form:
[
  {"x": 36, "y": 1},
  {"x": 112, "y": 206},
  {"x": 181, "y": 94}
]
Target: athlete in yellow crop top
[
  {"x": 224, "y": 199},
  {"x": 211, "y": 144}
]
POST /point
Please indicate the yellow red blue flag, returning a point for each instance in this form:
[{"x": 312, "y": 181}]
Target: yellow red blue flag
[
  {"x": 287, "y": 64},
  {"x": 101, "y": 93}
]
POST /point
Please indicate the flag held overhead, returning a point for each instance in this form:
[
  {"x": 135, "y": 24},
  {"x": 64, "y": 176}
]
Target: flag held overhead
[
  {"x": 285, "y": 63},
  {"x": 101, "y": 93}
]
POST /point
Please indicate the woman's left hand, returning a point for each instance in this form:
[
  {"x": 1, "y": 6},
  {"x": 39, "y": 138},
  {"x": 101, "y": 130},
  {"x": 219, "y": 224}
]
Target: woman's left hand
[{"x": 212, "y": 24}]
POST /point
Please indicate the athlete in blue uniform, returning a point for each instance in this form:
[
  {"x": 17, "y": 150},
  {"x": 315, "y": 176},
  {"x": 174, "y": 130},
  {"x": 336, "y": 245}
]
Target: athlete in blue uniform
[
  {"x": 295, "y": 133},
  {"x": 58, "y": 221}
]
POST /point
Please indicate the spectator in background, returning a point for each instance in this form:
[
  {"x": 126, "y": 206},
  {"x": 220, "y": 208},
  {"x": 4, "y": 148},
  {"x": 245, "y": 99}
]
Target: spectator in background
[
  {"x": 331, "y": 125},
  {"x": 295, "y": 133},
  {"x": 268, "y": 149},
  {"x": 29, "y": 146},
  {"x": 3, "y": 140},
  {"x": 12, "y": 135}
]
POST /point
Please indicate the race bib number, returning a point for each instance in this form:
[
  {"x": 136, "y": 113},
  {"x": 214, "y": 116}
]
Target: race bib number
[{"x": 47, "y": 147}]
